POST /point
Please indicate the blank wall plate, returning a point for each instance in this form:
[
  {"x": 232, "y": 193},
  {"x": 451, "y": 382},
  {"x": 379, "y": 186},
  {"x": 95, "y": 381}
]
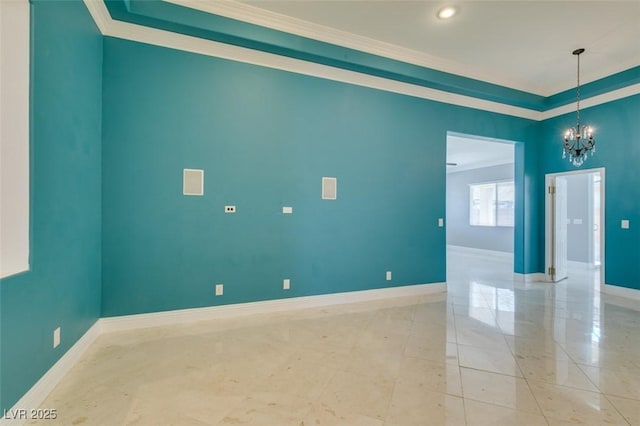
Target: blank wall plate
[
  {"x": 388, "y": 275},
  {"x": 56, "y": 337},
  {"x": 329, "y": 188},
  {"x": 219, "y": 289},
  {"x": 624, "y": 223},
  {"x": 287, "y": 210},
  {"x": 286, "y": 284},
  {"x": 229, "y": 209},
  {"x": 193, "y": 182}
]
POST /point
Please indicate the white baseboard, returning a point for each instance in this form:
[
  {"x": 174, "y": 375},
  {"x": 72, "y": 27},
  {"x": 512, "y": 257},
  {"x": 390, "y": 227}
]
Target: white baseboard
[
  {"x": 579, "y": 265},
  {"x": 41, "y": 389},
  {"x": 615, "y": 290},
  {"x": 480, "y": 252},
  {"x": 155, "y": 319},
  {"x": 529, "y": 278},
  {"x": 38, "y": 393}
]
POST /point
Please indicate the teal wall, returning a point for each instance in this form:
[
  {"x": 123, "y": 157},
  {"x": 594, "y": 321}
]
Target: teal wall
[
  {"x": 265, "y": 138},
  {"x": 114, "y": 123},
  {"x": 618, "y": 151},
  {"x": 63, "y": 286},
  {"x": 185, "y": 20}
]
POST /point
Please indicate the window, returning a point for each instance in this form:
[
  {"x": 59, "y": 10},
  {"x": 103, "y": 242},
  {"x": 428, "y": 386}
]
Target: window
[
  {"x": 505, "y": 203},
  {"x": 14, "y": 137},
  {"x": 492, "y": 204}
]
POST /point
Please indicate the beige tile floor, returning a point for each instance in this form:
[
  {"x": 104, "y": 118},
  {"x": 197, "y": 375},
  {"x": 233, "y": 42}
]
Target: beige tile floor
[{"x": 490, "y": 352}]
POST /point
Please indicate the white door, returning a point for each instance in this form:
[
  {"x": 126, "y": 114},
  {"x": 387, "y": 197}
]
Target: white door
[
  {"x": 556, "y": 221},
  {"x": 559, "y": 233},
  {"x": 596, "y": 219}
]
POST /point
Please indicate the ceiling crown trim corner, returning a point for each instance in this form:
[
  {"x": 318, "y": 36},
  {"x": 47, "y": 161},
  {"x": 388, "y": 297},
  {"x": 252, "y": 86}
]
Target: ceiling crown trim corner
[
  {"x": 159, "y": 37},
  {"x": 275, "y": 21}
]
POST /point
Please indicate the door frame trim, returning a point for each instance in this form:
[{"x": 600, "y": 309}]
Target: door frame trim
[{"x": 549, "y": 206}]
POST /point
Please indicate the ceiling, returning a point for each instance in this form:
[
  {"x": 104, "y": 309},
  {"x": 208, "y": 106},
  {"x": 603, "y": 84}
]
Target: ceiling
[
  {"x": 525, "y": 45},
  {"x": 469, "y": 153}
]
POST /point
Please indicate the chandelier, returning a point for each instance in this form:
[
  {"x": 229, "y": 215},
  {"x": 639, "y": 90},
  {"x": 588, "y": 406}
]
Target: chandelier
[{"x": 578, "y": 140}]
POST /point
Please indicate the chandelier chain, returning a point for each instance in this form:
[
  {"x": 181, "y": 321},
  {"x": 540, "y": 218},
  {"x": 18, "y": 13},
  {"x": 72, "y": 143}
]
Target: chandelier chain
[
  {"x": 578, "y": 140},
  {"x": 578, "y": 96}
]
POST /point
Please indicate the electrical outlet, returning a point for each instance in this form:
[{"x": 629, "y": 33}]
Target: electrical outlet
[
  {"x": 286, "y": 284},
  {"x": 624, "y": 223},
  {"x": 229, "y": 209},
  {"x": 388, "y": 275},
  {"x": 219, "y": 289},
  {"x": 56, "y": 337},
  {"x": 287, "y": 210}
]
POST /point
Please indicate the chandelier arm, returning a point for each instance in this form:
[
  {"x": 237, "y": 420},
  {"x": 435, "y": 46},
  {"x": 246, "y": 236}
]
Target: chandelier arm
[{"x": 590, "y": 144}]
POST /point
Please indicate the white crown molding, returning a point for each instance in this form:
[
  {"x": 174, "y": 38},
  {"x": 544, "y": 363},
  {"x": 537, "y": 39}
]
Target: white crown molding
[
  {"x": 100, "y": 14},
  {"x": 182, "y": 316},
  {"x": 265, "y": 18},
  {"x": 587, "y": 77},
  {"x": 139, "y": 33},
  {"x": 276, "y": 21},
  {"x": 41, "y": 389},
  {"x": 153, "y": 36},
  {"x": 614, "y": 95}
]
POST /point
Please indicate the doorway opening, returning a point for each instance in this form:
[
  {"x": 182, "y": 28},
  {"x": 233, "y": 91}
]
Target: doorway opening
[
  {"x": 480, "y": 207},
  {"x": 574, "y": 225}
]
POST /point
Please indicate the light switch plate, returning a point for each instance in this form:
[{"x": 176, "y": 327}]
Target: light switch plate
[
  {"x": 219, "y": 289},
  {"x": 440, "y": 222},
  {"x": 287, "y": 210},
  {"x": 388, "y": 275},
  {"x": 286, "y": 284},
  {"x": 56, "y": 337},
  {"x": 624, "y": 223}
]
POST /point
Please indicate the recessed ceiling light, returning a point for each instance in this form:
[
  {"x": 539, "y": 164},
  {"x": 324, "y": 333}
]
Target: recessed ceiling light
[{"x": 447, "y": 12}]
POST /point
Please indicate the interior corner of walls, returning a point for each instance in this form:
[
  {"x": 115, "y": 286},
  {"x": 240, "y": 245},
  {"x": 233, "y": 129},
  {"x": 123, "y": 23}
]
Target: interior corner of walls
[
  {"x": 101, "y": 17},
  {"x": 65, "y": 131},
  {"x": 181, "y": 316},
  {"x": 529, "y": 278},
  {"x": 36, "y": 395},
  {"x": 619, "y": 291}
]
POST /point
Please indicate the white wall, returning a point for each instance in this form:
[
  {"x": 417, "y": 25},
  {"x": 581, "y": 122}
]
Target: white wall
[
  {"x": 459, "y": 232},
  {"x": 14, "y": 136},
  {"x": 578, "y": 216}
]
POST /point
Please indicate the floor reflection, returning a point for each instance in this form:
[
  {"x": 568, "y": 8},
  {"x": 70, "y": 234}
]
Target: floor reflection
[
  {"x": 576, "y": 349},
  {"x": 491, "y": 351}
]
